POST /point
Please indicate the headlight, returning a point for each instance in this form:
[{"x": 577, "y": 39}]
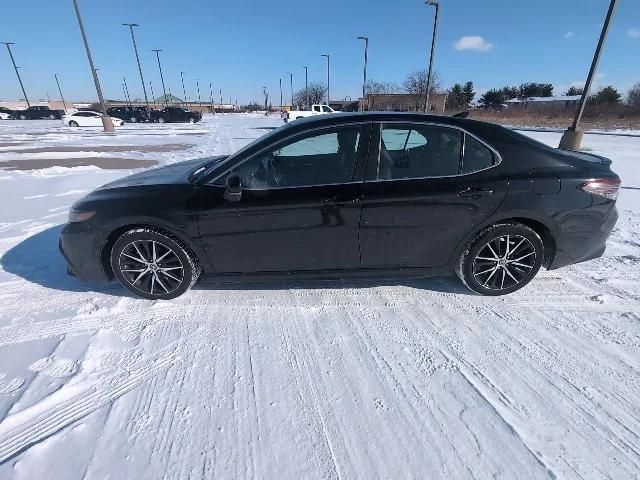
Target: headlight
[{"x": 77, "y": 216}]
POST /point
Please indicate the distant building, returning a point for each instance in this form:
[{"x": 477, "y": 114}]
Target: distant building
[
  {"x": 169, "y": 99},
  {"x": 404, "y": 102},
  {"x": 545, "y": 103}
]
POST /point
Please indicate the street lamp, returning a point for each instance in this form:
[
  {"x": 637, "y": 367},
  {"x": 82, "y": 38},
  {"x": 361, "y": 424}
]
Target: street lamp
[
  {"x": 64, "y": 105},
  {"x": 213, "y": 110},
  {"x": 164, "y": 90},
  {"x": 198, "y": 87},
  {"x": 126, "y": 89},
  {"x": 364, "y": 80},
  {"x": 8, "y": 45},
  {"x": 280, "y": 81},
  {"x": 306, "y": 86},
  {"x": 433, "y": 47},
  {"x": 135, "y": 49},
  {"x": 184, "y": 92},
  {"x": 328, "y": 57},
  {"x": 153, "y": 97},
  {"x": 291, "y": 83},
  {"x": 107, "y": 124},
  {"x": 572, "y": 137}
]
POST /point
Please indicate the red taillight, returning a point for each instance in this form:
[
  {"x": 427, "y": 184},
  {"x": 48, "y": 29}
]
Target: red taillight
[{"x": 604, "y": 187}]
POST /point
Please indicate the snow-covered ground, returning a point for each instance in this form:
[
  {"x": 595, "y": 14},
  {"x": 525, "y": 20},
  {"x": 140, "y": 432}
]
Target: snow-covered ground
[{"x": 417, "y": 379}]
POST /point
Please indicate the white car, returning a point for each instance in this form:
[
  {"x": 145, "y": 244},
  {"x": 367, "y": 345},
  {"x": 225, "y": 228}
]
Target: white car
[
  {"x": 87, "y": 118},
  {"x": 316, "y": 109},
  {"x": 4, "y": 116}
]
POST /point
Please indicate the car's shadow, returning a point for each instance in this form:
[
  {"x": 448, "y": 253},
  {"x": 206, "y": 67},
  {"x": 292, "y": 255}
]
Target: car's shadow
[{"x": 37, "y": 260}]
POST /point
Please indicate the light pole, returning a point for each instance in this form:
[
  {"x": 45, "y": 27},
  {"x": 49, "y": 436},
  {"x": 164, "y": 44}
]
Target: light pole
[
  {"x": 126, "y": 89},
  {"x": 198, "y": 87},
  {"x": 280, "y": 80},
  {"x": 572, "y": 137},
  {"x": 164, "y": 90},
  {"x": 328, "y": 57},
  {"x": 364, "y": 80},
  {"x": 184, "y": 92},
  {"x": 124, "y": 93},
  {"x": 8, "y": 45},
  {"x": 153, "y": 97},
  {"x": 213, "y": 110},
  {"x": 221, "y": 106},
  {"x": 291, "y": 84},
  {"x": 433, "y": 47},
  {"x": 64, "y": 105},
  {"x": 135, "y": 49},
  {"x": 306, "y": 86},
  {"x": 106, "y": 120}
]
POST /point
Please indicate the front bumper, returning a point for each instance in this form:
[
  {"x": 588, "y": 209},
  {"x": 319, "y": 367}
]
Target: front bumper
[{"x": 81, "y": 246}]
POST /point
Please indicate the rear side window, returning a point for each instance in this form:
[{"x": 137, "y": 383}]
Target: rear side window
[
  {"x": 477, "y": 156},
  {"x": 419, "y": 151}
]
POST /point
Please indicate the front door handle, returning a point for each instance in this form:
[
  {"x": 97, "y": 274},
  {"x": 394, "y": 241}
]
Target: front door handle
[
  {"x": 475, "y": 192},
  {"x": 339, "y": 202}
]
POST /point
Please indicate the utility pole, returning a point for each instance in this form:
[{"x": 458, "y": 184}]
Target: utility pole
[
  {"x": 364, "y": 81},
  {"x": 433, "y": 47},
  {"x": 106, "y": 120},
  {"x": 328, "y": 57},
  {"x": 291, "y": 83},
  {"x": 8, "y": 45},
  {"x": 572, "y": 137},
  {"x": 306, "y": 86},
  {"x": 280, "y": 81},
  {"x": 64, "y": 105},
  {"x": 124, "y": 93},
  {"x": 184, "y": 92},
  {"x": 164, "y": 90},
  {"x": 221, "y": 106},
  {"x": 135, "y": 49},
  {"x": 213, "y": 109}
]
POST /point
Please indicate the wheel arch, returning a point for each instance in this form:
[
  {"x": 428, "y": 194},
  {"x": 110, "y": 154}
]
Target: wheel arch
[{"x": 105, "y": 252}]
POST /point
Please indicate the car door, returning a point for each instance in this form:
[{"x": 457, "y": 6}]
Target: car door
[
  {"x": 427, "y": 186},
  {"x": 300, "y": 205}
]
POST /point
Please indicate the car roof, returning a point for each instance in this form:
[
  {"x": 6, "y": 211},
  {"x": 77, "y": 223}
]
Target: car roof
[
  {"x": 85, "y": 111},
  {"x": 474, "y": 126}
]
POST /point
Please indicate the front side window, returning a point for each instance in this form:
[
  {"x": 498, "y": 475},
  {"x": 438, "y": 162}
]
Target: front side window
[
  {"x": 326, "y": 109},
  {"x": 418, "y": 151},
  {"x": 324, "y": 158}
]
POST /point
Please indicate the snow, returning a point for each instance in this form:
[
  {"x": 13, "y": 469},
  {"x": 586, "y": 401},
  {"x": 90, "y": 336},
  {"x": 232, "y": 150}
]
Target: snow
[{"x": 414, "y": 379}]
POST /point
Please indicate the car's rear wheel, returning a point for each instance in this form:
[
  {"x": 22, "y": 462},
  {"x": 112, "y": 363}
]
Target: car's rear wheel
[
  {"x": 161, "y": 120},
  {"x": 23, "y": 117},
  {"x": 192, "y": 120},
  {"x": 52, "y": 117},
  {"x": 153, "y": 265},
  {"x": 501, "y": 260},
  {"x": 73, "y": 123},
  {"x": 133, "y": 119}
]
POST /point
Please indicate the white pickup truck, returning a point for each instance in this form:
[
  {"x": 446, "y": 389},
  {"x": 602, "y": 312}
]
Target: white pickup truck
[{"x": 316, "y": 109}]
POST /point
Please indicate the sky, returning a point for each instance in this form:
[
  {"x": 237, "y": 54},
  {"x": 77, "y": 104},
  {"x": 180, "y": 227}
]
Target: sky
[{"x": 242, "y": 45}]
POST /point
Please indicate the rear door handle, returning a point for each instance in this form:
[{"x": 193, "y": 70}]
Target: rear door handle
[
  {"x": 339, "y": 202},
  {"x": 475, "y": 192}
]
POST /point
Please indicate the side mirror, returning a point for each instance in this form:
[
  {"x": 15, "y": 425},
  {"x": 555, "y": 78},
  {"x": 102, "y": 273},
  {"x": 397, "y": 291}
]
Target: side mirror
[{"x": 233, "y": 190}]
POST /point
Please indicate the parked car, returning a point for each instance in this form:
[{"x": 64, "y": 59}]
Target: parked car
[
  {"x": 5, "y": 113},
  {"x": 38, "y": 113},
  {"x": 129, "y": 114},
  {"x": 316, "y": 109},
  {"x": 376, "y": 194},
  {"x": 175, "y": 114},
  {"x": 88, "y": 118}
]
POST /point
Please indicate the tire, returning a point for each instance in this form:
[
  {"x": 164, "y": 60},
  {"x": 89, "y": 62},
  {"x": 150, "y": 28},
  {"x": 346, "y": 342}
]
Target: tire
[
  {"x": 486, "y": 268},
  {"x": 23, "y": 117},
  {"x": 161, "y": 120},
  {"x": 169, "y": 278},
  {"x": 133, "y": 119},
  {"x": 52, "y": 117},
  {"x": 73, "y": 123}
]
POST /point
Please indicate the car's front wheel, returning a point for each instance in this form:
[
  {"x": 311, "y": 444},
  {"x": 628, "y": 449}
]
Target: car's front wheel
[
  {"x": 161, "y": 120},
  {"x": 501, "y": 260},
  {"x": 73, "y": 123},
  {"x": 133, "y": 119},
  {"x": 153, "y": 265}
]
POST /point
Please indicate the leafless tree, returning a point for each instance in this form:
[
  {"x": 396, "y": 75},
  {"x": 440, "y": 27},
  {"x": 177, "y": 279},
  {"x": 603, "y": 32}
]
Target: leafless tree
[
  {"x": 317, "y": 94},
  {"x": 633, "y": 100},
  {"x": 415, "y": 84},
  {"x": 374, "y": 87}
]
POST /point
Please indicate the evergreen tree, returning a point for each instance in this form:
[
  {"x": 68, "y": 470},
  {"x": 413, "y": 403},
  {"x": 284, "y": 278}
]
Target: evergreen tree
[
  {"x": 608, "y": 95},
  {"x": 634, "y": 96},
  {"x": 468, "y": 93},
  {"x": 455, "y": 99},
  {"x": 493, "y": 98},
  {"x": 574, "y": 91}
]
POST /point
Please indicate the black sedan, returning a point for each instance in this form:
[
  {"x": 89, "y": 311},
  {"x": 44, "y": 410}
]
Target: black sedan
[
  {"x": 175, "y": 114},
  {"x": 365, "y": 194}
]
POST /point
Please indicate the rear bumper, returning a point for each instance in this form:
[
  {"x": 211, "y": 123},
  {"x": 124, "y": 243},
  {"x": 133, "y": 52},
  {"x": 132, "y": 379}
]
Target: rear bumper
[
  {"x": 81, "y": 248},
  {"x": 585, "y": 236}
]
